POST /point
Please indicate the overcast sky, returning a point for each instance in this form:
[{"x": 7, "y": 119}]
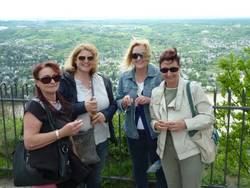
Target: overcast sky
[{"x": 124, "y": 9}]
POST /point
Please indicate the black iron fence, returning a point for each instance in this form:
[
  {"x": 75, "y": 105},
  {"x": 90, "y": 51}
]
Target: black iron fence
[{"x": 231, "y": 168}]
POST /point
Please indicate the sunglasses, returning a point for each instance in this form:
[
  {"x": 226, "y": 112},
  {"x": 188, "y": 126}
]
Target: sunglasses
[
  {"x": 171, "y": 69},
  {"x": 48, "y": 79},
  {"x": 83, "y": 58},
  {"x": 137, "y": 56}
]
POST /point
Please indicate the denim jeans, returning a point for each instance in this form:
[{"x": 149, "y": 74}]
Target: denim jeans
[
  {"x": 94, "y": 179},
  {"x": 143, "y": 152}
]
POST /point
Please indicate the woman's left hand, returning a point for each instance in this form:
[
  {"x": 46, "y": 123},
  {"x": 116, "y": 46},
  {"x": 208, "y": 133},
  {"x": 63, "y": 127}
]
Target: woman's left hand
[
  {"x": 98, "y": 118},
  {"x": 142, "y": 100},
  {"x": 177, "y": 125}
]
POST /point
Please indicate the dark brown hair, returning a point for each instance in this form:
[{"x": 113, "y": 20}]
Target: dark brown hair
[
  {"x": 169, "y": 55},
  {"x": 55, "y": 67}
]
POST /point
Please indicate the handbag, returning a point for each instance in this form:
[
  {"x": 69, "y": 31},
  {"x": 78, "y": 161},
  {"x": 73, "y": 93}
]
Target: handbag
[
  {"x": 35, "y": 168},
  {"x": 206, "y": 139},
  {"x": 70, "y": 165},
  {"x": 54, "y": 163},
  {"x": 80, "y": 171},
  {"x": 63, "y": 149},
  {"x": 84, "y": 142},
  {"x": 85, "y": 146},
  {"x": 23, "y": 173}
]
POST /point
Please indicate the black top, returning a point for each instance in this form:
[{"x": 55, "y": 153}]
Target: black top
[
  {"x": 46, "y": 158},
  {"x": 36, "y": 108}
]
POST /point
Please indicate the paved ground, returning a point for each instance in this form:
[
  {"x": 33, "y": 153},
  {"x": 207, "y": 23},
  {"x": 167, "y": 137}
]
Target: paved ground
[{"x": 6, "y": 183}]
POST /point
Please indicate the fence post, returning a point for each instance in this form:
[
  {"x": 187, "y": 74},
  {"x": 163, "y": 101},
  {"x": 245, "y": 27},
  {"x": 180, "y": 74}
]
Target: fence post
[{"x": 242, "y": 134}]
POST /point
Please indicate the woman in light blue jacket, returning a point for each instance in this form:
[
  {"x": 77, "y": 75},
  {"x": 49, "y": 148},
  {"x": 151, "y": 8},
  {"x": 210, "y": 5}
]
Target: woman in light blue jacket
[
  {"x": 172, "y": 118},
  {"x": 133, "y": 97}
]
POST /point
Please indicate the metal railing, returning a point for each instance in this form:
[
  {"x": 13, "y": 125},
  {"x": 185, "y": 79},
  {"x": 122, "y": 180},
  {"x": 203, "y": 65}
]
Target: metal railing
[{"x": 231, "y": 168}]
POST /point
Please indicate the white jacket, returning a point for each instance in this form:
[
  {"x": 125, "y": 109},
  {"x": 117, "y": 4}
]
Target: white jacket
[{"x": 179, "y": 109}]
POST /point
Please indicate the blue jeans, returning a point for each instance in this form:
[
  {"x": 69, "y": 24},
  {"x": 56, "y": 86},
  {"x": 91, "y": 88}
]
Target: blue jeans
[
  {"x": 143, "y": 152},
  {"x": 94, "y": 179}
]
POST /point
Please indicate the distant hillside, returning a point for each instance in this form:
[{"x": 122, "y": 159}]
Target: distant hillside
[{"x": 200, "y": 42}]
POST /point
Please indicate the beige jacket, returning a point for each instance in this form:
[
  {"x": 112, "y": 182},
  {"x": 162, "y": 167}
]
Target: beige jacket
[{"x": 179, "y": 109}]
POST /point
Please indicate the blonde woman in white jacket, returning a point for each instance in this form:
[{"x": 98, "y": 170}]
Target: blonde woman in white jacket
[{"x": 172, "y": 119}]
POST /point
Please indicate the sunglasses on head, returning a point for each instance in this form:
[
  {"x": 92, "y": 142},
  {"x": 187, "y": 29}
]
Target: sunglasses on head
[
  {"x": 171, "y": 69},
  {"x": 48, "y": 79},
  {"x": 83, "y": 58},
  {"x": 137, "y": 56}
]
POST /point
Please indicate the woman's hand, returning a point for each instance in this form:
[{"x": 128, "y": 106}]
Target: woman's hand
[
  {"x": 170, "y": 125},
  {"x": 161, "y": 126},
  {"x": 127, "y": 101},
  {"x": 142, "y": 100},
  {"x": 98, "y": 118},
  {"x": 177, "y": 125},
  {"x": 91, "y": 106},
  {"x": 71, "y": 128}
]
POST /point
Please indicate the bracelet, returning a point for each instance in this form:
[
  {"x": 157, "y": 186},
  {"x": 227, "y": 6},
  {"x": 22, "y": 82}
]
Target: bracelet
[{"x": 57, "y": 135}]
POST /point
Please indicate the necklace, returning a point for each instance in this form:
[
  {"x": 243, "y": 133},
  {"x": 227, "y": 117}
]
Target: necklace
[
  {"x": 53, "y": 102},
  {"x": 85, "y": 80}
]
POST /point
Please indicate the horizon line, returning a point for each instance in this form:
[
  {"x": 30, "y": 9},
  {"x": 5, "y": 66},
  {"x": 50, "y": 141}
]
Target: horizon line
[{"x": 123, "y": 19}]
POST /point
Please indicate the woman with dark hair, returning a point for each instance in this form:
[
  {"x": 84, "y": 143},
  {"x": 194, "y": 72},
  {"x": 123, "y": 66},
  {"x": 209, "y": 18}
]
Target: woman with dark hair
[
  {"x": 37, "y": 130},
  {"x": 172, "y": 119}
]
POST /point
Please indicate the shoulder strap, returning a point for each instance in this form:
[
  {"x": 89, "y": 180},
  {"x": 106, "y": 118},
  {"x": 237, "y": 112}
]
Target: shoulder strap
[
  {"x": 191, "y": 105},
  {"x": 92, "y": 88},
  {"x": 108, "y": 88},
  {"x": 190, "y": 100},
  {"x": 48, "y": 112},
  {"x": 50, "y": 118}
]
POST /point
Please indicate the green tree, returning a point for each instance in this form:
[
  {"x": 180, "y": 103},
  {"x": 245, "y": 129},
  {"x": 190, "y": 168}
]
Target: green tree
[{"x": 235, "y": 78}]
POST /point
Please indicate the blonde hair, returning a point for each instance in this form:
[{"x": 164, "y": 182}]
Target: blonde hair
[
  {"x": 127, "y": 62},
  {"x": 70, "y": 64}
]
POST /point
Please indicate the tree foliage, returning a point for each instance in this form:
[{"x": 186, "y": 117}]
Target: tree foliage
[{"x": 234, "y": 124}]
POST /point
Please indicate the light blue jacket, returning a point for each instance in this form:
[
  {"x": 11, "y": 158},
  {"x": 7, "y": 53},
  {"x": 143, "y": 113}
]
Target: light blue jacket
[{"x": 127, "y": 86}]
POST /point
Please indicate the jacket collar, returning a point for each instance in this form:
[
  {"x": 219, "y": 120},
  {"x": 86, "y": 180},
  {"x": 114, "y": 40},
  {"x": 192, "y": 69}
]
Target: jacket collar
[
  {"x": 152, "y": 72},
  {"x": 68, "y": 76},
  {"x": 177, "y": 101}
]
